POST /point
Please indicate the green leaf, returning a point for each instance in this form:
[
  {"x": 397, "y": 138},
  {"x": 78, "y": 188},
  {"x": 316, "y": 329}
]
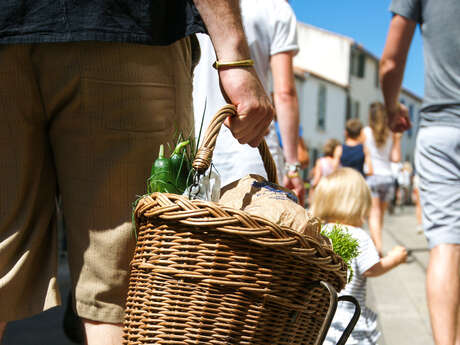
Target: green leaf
[{"x": 343, "y": 244}]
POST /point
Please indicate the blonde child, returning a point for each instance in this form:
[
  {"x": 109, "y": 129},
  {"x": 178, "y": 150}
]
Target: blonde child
[{"x": 343, "y": 197}]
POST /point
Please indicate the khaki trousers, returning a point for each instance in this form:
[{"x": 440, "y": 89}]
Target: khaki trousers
[{"x": 84, "y": 120}]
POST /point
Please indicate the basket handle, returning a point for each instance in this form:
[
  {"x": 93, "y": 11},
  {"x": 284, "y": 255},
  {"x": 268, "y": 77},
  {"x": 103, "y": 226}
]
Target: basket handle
[
  {"x": 333, "y": 301},
  {"x": 346, "y": 333},
  {"x": 203, "y": 157}
]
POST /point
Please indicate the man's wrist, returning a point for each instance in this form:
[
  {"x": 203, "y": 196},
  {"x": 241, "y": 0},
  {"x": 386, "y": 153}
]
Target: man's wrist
[
  {"x": 292, "y": 169},
  {"x": 233, "y": 49},
  {"x": 393, "y": 109}
]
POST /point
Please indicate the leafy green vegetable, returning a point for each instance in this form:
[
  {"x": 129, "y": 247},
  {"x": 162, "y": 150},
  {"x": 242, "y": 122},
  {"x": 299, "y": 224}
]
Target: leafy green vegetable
[
  {"x": 173, "y": 174},
  {"x": 180, "y": 166},
  {"x": 343, "y": 244},
  {"x": 162, "y": 177}
]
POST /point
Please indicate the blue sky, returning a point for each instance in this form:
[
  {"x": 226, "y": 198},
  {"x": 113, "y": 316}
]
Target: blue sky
[{"x": 366, "y": 21}]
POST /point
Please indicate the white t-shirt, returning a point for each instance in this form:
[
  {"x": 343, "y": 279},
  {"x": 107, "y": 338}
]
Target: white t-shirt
[
  {"x": 404, "y": 178},
  {"x": 270, "y": 27},
  {"x": 396, "y": 167},
  {"x": 380, "y": 156},
  {"x": 365, "y": 331}
]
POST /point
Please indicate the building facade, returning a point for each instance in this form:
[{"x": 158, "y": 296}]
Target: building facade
[
  {"x": 337, "y": 79},
  {"x": 322, "y": 105}
]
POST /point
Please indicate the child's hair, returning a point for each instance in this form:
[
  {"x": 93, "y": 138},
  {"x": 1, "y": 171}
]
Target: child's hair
[
  {"x": 353, "y": 128},
  {"x": 342, "y": 197},
  {"x": 329, "y": 147},
  {"x": 378, "y": 123}
]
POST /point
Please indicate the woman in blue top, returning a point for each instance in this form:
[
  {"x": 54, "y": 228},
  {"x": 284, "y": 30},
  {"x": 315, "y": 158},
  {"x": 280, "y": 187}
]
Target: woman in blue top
[{"x": 353, "y": 153}]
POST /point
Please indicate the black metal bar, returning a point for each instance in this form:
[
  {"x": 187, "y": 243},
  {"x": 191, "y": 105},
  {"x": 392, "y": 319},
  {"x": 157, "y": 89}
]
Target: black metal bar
[
  {"x": 346, "y": 333},
  {"x": 333, "y": 301},
  {"x": 330, "y": 312}
]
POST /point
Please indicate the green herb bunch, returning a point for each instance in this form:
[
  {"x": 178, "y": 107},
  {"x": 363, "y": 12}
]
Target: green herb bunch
[
  {"x": 172, "y": 174},
  {"x": 343, "y": 244}
]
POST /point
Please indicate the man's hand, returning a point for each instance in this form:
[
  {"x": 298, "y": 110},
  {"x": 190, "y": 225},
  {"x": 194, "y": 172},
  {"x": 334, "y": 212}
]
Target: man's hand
[
  {"x": 242, "y": 88},
  {"x": 297, "y": 186},
  {"x": 240, "y": 85},
  {"x": 398, "y": 119}
]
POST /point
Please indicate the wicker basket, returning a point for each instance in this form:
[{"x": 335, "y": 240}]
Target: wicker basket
[{"x": 207, "y": 274}]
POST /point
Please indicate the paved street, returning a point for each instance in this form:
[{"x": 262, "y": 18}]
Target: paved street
[{"x": 398, "y": 297}]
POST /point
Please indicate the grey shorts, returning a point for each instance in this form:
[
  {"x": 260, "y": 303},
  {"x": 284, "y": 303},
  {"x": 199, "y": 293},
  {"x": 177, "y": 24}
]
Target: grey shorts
[
  {"x": 381, "y": 186},
  {"x": 437, "y": 160}
]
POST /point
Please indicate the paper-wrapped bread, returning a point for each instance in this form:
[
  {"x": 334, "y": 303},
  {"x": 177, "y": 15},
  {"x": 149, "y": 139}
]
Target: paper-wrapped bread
[{"x": 277, "y": 204}]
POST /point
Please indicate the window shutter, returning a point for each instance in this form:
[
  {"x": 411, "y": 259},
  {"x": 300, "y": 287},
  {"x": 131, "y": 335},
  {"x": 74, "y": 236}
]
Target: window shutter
[
  {"x": 362, "y": 64},
  {"x": 348, "y": 108},
  {"x": 321, "y": 121}
]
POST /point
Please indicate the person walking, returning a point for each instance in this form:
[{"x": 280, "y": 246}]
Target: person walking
[
  {"x": 437, "y": 156},
  {"x": 384, "y": 147},
  {"x": 416, "y": 201},
  {"x": 352, "y": 152},
  {"x": 328, "y": 163},
  {"x": 270, "y": 26},
  {"x": 343, "y": 199},
  {"x": 89, "y": 90},
  {"x": 404, "y": 182}
]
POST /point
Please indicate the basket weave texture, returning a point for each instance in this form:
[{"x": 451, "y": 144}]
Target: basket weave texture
[{"x": 207, "y": 274}]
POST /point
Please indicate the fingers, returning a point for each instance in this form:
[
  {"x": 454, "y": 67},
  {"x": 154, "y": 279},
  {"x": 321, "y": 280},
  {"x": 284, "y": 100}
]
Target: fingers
[
  {"x": 400, "y": 125},
  {"x": 301, "y": 197},
  {"x": 400, "y": 121},
  {"x": 260, "y": 132},
  {"x": 400, "y": 253},
  {"x": 296, "y": 185},
  {"x": 242, "y": 88},
  {"x": 256, "y": 141},
  {"x": 250, "y": 128},
  {"x": 243, "y": 131},
  {"x": 403, "y": 255}
]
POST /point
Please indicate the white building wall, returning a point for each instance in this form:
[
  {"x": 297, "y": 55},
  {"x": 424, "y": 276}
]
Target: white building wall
[
  {"x": 323, "y": 52},
  {"x": 365, "y": 90},
  {"x": 308, "y": 90}
]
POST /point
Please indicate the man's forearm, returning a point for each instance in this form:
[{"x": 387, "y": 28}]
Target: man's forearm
[
  {"x": 286, "y": 102},
  {"x": 287, "y": 110},
  {"x": 393, "y": 59},
  {"x": 223, "y": 21},
  {"x": 240, "y": 85},
  {"x": 391, "y": 76}
]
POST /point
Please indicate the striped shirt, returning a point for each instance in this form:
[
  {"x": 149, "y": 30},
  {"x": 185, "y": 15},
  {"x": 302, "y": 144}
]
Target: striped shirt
[{"x": 365, "y": 331}]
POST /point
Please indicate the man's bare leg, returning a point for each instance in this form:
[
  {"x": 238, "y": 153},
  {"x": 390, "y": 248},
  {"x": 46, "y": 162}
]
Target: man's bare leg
[
  {"x": 443, "y": 293},
  {"x": 457, "y": 338},
  {"x": 2, "y": 329},
  {"x": 383, "y": 209},
  {"x": 98, "y": 333}
]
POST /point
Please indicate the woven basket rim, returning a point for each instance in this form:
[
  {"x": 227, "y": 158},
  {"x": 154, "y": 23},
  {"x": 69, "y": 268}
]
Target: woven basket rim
[{"x": 178, "y": 208}]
